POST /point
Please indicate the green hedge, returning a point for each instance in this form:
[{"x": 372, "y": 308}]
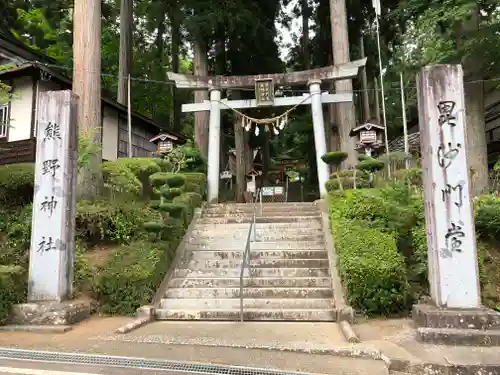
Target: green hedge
[
  {"x": 13, "y": 286},
  {"x": 372, "y": 270},
  {"x": 16, "y": 184},
  {"x": 487, "y": 213},
  {"x": 105, "y": 221},
  {"x": 132, "y": 276}
]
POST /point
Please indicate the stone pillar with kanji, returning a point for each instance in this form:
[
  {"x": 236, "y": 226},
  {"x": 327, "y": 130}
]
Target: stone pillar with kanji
[
  {"x": 52, "y": 249},
  {"x": 454, "y": 314}
]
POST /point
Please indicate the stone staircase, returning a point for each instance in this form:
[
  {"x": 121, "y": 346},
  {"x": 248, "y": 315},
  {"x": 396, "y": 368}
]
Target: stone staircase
[{"x": 288, "y": 277}]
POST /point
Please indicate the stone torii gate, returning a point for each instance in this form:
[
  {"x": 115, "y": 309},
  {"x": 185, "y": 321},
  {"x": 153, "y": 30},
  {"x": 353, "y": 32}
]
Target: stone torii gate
[{"x": 264, "y": 86}]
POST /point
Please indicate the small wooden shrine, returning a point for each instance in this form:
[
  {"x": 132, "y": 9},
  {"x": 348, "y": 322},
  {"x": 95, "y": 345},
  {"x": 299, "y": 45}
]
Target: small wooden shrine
[{"x": 369, "y": 137}]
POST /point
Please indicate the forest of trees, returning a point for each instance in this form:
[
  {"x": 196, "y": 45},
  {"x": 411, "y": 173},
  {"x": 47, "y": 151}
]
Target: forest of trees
[{"x": 241, "y": 37}]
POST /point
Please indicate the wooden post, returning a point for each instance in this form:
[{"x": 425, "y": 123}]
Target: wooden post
[
  {"x": 451, "y": 239},
  {"x": 53, "y": 224},
  {"x": 125, "y": 59},
  {"x": 129, "y": 118}
]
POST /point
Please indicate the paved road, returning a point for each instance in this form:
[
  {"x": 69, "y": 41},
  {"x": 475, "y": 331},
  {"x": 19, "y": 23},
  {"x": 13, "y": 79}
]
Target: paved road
[{"x": 9, "y": 367}]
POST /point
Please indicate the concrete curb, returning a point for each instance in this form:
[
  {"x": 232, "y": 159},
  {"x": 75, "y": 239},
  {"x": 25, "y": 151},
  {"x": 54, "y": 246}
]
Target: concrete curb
[
  {"x": 344, "y": 312},
  {"x": 146, "y": 314},
  {"x": 348, "y": 332},
  {"x": 346, "y": 352},
  {"x": 36, "y": 328}
]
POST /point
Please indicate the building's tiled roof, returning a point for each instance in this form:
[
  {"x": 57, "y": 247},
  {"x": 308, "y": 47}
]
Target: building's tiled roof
[{"x": 398, "y": 144}]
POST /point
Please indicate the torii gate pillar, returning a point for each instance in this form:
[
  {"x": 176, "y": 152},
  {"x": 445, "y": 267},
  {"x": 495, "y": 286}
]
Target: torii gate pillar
[
  {"x": 214, "y": 147},
  {"x": 319, "y": 134}
]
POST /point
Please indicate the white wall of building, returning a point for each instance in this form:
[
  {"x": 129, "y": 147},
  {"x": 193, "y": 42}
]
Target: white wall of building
[
  {"x": 110, "y": 134},
  {"x": 21, "y": 109}
]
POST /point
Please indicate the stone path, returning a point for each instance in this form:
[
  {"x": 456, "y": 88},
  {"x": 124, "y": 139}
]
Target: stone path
[{"x": 285, "y": 346}]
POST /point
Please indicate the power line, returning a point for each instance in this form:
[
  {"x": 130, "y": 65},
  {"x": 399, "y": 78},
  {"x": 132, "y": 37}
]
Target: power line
[{"x": 250, "y": 89}]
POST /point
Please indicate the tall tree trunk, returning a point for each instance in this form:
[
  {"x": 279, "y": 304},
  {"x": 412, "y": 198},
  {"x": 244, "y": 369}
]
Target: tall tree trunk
[
  {"x": 201, "y": 118},
  {"x": 474, "y": 110},
  {"x": 239, "y": 145},
  {"x": 364, "y": 84},
  {"x": 125, "y": 60},
  {"x": 87, "y": 85},
  {"x": 376, "y": 95},
  {"x": 346, "y": 111},
  {"x": 248, "y": 153},
  {"x": 305, "y": 33},
  {"x": 176, "y": 42},
  {"x": 266, "y": 157}
]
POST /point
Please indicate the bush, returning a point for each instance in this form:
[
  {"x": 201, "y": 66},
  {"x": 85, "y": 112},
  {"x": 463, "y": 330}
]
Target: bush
[
  {"x": 334, "y": 157},
  {"x": 104, "y": 221},
  {"x": 132, "y": 276},
  {"x": 372, "y": 270},
  {"x": 119, "y": 179},
  {"x": 142, "y": 168},
  {"x": 16, "y": 184},
  {"x": 412, "y": 176},
  {"x": 487, "y": 213},
  {"x": 13, "y": 286},
  {"x": 176, "y": 181},
  {"x": 199, "y": 179},
  {"x": 14, "y": 250},
  {"x": 419, "y": 270}
]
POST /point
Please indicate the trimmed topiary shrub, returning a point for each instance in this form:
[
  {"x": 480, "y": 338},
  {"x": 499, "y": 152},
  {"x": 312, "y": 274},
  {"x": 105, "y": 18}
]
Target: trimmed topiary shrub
[
  {"x": 120, "y": 180},
  {"x": 16, "y": 184},
  {"x": 372, "y": 270}
]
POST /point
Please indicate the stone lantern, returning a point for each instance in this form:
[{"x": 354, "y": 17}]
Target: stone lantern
[{"x": 369, "y": 137}]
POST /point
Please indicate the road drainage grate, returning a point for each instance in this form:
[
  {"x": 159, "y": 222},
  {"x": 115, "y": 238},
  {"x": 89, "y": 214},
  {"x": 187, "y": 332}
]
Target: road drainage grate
[{"x": 130, "y": 362}]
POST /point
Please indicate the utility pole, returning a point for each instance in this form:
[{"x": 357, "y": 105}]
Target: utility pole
[{"x": 125, "y": 60}]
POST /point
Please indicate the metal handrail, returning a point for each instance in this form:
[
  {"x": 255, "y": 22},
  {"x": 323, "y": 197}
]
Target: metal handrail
[{"x": 246, "y": 255}]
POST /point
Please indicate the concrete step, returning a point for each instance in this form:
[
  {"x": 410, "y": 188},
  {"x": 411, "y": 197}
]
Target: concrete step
[
  {"x": 313, "y": 224},
  {"x": 250, "y": 292},
  {"x": 249, "y": 303},
  {"x": 319, "y": 315},
  {"x": 255, "y": 263},
  {"x": 265, "y": 214},
  {"x": 243, "y": 219},
  {"x": 264, "y": 282},
  {"x": 254, "y": 272},
  {"x": 265, "y": 207},
  {"x": 257, "y": 254},
  {"x": 270, "y": 237},
  {"x": 458, "y": 336},
  {"x": 259, "y": 245},
  {"x": 228, "y": 232}
]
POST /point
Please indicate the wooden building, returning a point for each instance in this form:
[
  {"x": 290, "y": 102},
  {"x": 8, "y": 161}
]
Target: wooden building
[{"x": 27, "y": 73}]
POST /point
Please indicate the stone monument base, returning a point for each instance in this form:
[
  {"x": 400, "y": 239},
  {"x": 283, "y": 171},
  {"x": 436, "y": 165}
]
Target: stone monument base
[
  {"x": 446, "y": 326},
  {"x": 64, "y": 313}
]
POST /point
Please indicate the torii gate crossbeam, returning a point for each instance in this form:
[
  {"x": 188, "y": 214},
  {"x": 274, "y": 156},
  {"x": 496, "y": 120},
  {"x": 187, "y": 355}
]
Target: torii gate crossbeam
[{"x": 315, "y": 98}]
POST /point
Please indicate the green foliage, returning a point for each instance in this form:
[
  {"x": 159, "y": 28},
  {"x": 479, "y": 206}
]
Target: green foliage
[
  {"x": 487, "y": 213},
  {"x": 334, "y": 157},
  {"x": 412, "y": 176},
  {"x": 87, "y": 149},
  {"x": 170, "y": 193},
  {"x": 176, "y": 181},
  {"x": 13, "y": 284},
  {"x": 346, "y": 179},
  {"x": 132, "y": 276},
  {"x": 104, "y": 221},
  {"x": 16, "y": 184},
  {"x": 372, "y": 270},
  {"x": 370, "y": 165},
  {"x": 120, "y": 180},
  {"x": 199, "y": 179},
  {"x": 159, "y": 179},
  {"x": 16, "y": 227}
]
